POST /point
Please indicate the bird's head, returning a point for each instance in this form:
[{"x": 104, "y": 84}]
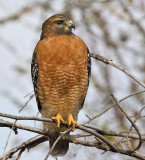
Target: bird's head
[{"x": 56, "y": 25}]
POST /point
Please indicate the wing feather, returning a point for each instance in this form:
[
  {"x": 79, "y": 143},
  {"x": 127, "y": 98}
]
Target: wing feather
[{"x": 34, "y": 74}]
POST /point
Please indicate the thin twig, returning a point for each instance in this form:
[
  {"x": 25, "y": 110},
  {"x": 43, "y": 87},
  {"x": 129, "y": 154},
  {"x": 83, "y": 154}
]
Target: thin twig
[
  {"x": 26, "y": 102},
  {"x": 131, "y": 121},
  {"x": 54, "y": 144},
  {"x": 135, "y": 121},
  {"x": 113, "y": 106},
  {"x": 136, "y": 118},
  {"x": 106, "y": 61},
  {"x": 138, "y": 115},
  {"x": 8, "y": 139}
]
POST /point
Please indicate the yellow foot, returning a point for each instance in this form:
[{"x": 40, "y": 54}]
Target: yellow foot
[
  {"x": 72, "y": 122},
  {"x": 59, "y": 119}
]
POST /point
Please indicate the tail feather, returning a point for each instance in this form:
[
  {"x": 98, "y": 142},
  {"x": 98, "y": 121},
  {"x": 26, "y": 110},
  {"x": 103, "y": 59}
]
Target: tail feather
[{"x": 60, "y": 149}]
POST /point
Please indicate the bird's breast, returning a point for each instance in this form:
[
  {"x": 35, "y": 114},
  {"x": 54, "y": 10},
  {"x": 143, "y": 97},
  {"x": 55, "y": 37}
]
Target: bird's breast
[{"x": 62, "y": 74}]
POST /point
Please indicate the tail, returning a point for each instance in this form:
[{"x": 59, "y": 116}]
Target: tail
[{"x": 60, "y": 149}]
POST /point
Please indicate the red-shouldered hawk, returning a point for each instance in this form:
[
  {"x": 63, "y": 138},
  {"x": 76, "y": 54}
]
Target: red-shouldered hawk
[{"x": 60, "y": 73}]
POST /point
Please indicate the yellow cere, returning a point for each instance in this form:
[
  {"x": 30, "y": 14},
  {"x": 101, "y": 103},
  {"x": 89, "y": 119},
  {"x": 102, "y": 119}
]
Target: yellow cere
[{"x": 70, "y": 22}]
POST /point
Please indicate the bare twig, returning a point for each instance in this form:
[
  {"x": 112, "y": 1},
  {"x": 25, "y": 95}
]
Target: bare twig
[
  {"x": 139, "y": 92},
  {"x": 131, "y": 121},
  {"x": 8, "y": 139},
  {"x": 135, "y": 121},
  {"x": 138, "y": 115},
  {"x": 106, "y": 61},
  {"x": 27, "y": 102},
  {"x": 54, "y": 144}
]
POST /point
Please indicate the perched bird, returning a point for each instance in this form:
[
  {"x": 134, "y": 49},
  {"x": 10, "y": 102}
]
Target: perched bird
[{"x": 60, "y": 72}]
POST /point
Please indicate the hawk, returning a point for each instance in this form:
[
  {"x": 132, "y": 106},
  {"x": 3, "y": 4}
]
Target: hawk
[{"x": 60, "y": 72}]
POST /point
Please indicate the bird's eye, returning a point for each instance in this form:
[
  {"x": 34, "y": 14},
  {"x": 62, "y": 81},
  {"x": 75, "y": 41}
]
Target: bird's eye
[{"x": 59, "y": 21}]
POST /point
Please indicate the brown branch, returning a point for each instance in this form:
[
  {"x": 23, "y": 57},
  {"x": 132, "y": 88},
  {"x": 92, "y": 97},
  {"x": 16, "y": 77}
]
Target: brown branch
[
  {"x": 32, "y": 129},
  {"x": 113, "y": 106},
  {"x": 114, "y": 133},
  {"x": 99, "y": 136},
  {"x": 106, "y": 61},
  {"x": 21, "y": 126},
  {"x": 27, "y": 102},
  {"x": 101, "y": 146},
  {"x": 8, "y": 138},
  {"x": 4, "y": 123},
  {"x": 40, "y": 132},
  {"x": 136, "y": 120},
  {"x": 138, "y": 115},
  {"x": 26, "y": 145},
  {"x": 97, "y": 133},
  {"x": 25, "y": 118},
  {"x": 131, "y": 121},
  {"x": 41, "y": 138}
]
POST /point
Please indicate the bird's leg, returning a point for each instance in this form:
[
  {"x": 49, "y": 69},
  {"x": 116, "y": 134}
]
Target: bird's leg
[
  {"x": 59, "y": 119},
  {"x": 72, "y": 122}
]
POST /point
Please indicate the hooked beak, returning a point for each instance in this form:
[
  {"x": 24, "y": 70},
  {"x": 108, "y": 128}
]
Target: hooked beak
[{"x": 70, "y": 24}]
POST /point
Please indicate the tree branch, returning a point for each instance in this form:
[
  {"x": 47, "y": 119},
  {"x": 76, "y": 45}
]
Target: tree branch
[
  {"x": 26, "y": 145},
  {"x": 133, "y": 124},
  {"x": 4, "y": 123},
  {"x": 41, "y": 138},
  {"x": 106, "y": 61},
  {"x": 114, "y": 105},
  {"x": 44, "y": 137}
]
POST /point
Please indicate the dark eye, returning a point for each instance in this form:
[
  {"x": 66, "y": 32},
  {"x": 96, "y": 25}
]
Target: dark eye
[{"x": 59, "y": 21}]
